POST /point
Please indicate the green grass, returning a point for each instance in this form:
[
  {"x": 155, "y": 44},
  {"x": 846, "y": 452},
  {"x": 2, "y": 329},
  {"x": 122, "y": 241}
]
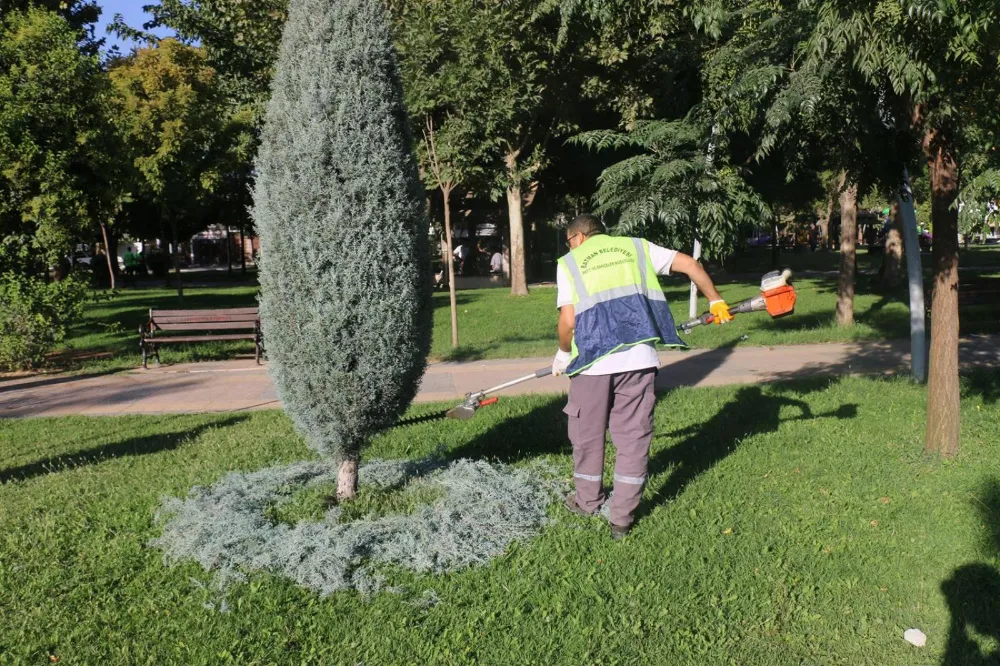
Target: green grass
[
  {"x": 757, "y": 260},
  {"x": 781, "y": 525},
  {"x": 492, "y": 324}
]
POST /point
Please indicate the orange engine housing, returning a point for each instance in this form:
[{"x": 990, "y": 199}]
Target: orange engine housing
[{"x": 780, "y": 300}]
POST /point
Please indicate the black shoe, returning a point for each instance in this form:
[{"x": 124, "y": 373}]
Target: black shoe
[
  {"x": 618, "y": 532},
  {"x": 572, "y": 506}
]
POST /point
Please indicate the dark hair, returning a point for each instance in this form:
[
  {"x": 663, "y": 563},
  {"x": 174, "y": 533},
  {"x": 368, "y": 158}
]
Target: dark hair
[{"x": 586, "y": 224}]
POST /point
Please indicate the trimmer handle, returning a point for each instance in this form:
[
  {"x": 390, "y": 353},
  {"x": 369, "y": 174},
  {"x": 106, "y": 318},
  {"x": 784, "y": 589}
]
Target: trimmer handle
[
  {"x": 703, "y": 320},
  {"x": 544, "y": 372}
]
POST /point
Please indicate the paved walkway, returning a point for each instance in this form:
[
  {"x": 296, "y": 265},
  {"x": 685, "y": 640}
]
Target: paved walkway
[{"x": 242, "y": 385}]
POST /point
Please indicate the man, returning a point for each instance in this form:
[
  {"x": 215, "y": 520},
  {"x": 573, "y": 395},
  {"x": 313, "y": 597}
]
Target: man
[
  {"x": 611, "y": 314},
  {"x": 496, "y": 263},
  {"x": 462, "y": 255},
  {"x": 130, "y": 260}
]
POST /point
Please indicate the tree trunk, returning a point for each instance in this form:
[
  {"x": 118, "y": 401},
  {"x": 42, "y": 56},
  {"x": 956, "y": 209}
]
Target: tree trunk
[
  {"x": 892, "y": 260},
  {"x": 243, "y": 252},
  {"x": 942, "y": 385},
  {"x": 848, "y": 248},
  {"x": 107, "y": 255},
  {"x": 824, "y": 223},
  {"x": 229, "y": 252},
  {"x": 775, "y": 245},
  {"x": 177, "y": 264},
  {"x": 446, "y": 193},
  {"x": 347, "y": 479},
  {"x": 518, "y": 272}
]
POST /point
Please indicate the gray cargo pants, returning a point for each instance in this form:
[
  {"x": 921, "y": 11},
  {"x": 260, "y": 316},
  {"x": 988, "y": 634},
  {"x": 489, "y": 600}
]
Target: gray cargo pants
[{"x": 622, "y": 403}]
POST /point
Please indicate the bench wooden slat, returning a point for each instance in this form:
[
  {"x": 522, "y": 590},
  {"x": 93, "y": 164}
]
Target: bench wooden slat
[
  {"x": 199, "y": 338},
  {"x": 211, "y": 326},
  {"x": 192, "y": 313},
  {"x": 204, "y": 320}
]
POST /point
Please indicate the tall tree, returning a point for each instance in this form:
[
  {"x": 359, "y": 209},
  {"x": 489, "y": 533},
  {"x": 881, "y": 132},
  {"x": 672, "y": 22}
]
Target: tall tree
[
  {"x": 54, "y": 141},
  {"x": 170, "y": 112},
  {"x": 939, "y": 60},
  {"x": 440, "y": 86},
  {"x": 338, "y": 206}
]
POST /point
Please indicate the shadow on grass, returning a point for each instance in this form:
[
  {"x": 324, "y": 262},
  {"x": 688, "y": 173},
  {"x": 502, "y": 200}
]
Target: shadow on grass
[
  {"x": 751, "y": 412},
  {"x": 135, "y": 446},
  {"x": 973, "y": 594},
  {"x": 537, "y": 433},
  {"x": 983, "y": 382}
]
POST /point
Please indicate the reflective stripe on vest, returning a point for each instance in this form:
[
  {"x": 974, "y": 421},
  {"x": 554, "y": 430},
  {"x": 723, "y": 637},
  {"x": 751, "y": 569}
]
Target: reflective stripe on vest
[{"x": 617, "y": 300}]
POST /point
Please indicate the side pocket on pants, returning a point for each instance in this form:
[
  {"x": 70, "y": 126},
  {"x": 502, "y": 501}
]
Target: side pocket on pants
[{"x": 572, "y": 410}]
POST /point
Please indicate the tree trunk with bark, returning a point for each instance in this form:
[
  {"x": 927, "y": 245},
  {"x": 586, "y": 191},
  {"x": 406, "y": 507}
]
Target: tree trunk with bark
[
  {"x": 942, "y": 384},
  {"x": 824, "y": 223},
  {"x": 848, "y": 256},
  {"x": 107, "y": 255},
  {"x": 892, "y": 259},
  {"x": 518, "y": 271},
  {"x": 243, "y": 252},
  {"x": 229, "y": 252},
  {"x": 347, "y": 479},
  {"x": 446, "y": 195},
  {"x": 177, "y": 263}
]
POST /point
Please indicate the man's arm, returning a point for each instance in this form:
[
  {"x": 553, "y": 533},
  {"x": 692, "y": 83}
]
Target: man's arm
[
  {"x": 687, "y": 264},
  {"x": 567, "y": 324}
]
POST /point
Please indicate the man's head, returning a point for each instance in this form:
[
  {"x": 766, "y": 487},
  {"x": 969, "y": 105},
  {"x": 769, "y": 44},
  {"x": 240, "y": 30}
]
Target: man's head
[{"x": 581, "y": 228}]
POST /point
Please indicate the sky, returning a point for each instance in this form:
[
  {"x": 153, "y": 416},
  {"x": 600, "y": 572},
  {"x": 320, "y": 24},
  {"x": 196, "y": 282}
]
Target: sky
[{"x": 134, "y": 16}]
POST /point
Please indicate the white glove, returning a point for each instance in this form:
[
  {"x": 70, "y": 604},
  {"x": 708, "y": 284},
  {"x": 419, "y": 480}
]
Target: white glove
[{"x": 561, "y": 362}]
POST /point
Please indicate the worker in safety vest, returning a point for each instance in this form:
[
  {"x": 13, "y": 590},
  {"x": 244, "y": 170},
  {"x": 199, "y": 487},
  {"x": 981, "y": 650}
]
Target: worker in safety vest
[{"x": 611, "y": 314}]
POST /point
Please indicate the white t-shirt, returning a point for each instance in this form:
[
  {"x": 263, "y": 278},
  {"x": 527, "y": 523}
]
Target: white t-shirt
[
  {"x": 638, "y": 357},
  {"x": 496, "y": 262}
]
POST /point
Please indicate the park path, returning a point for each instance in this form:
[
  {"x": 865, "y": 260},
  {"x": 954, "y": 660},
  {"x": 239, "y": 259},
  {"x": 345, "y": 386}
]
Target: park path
[{"x": 242, "y": 385}]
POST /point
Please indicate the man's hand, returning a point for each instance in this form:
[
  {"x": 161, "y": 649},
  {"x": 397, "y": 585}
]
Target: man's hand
[
  {"x": 720, "y": 312},
  {"x": 561, "y": 362}
]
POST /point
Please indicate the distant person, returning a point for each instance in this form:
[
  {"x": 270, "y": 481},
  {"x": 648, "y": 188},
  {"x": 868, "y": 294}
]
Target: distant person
[
  {"x": 462, "y": 253},
  {"x": 813, "y": 237},
  {"x": 496, "y": 263},
  {"x": 131, "y": 260}
]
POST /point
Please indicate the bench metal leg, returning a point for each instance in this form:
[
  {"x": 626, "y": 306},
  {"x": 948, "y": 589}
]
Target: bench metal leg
[{"x": 144, "y": 355}]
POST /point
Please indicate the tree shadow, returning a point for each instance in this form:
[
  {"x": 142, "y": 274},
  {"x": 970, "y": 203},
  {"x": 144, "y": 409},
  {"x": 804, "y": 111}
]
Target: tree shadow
[
  {"x": 542, "y": 431},
  {"x": 751, "y": 412},
  {"x": 984, "y": 382},
  {"x": 135, "y": 446},
  {"x": 38, "y": 381},
  {"x": 973, "y": 594}
]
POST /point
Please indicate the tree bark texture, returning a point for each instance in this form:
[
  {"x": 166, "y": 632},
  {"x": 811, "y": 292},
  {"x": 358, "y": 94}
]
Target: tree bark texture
[
  {"x": 518, "y": 270},
  {"x": 107, "y": 255},
  {"x": 942, "y": 384},
  {"x": 892, "y": 259},
  {"x": 446, "y": 194},
  {"x": 177, "y": 263},
  {"x": 848, "y": 256},
  {"x": 347, "y": 479},
  {"x": 824, "y": 223},
  {"x": 243, "y": 252}
]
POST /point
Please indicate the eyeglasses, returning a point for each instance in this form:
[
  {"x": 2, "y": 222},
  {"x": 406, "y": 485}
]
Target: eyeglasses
[{"x": 569, "y": 241}]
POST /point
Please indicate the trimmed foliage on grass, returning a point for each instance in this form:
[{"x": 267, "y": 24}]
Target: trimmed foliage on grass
[
  {"x": 226, "y": 527},
  {"x": 784, "y": 524}
]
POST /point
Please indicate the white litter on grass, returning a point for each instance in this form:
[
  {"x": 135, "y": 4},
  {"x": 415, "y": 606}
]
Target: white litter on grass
[
  {"x": 915, "y": 637},
  {"x": 226, "y": 529}
]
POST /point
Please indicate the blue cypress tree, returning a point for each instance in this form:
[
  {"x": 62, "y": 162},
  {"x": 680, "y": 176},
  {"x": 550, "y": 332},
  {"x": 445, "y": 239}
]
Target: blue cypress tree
[{"x": 338, "y": 205}]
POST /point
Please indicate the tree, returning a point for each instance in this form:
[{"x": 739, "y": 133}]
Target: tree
[
  {"x": 79, "y": 14},
  {"x": 54, "y": 141},
  {"x": 938, "y": 61},
  {"x": 338, "y": 205},
  {"x": 439, "y": 87},
  {"x": 170, "y": 113}
]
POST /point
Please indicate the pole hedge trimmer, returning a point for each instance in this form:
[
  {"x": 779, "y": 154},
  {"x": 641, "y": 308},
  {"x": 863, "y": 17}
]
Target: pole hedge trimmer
[{"x": 777, "y": 298}]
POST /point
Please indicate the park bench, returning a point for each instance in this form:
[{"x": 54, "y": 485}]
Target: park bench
[{"x": 181, "y": 327}]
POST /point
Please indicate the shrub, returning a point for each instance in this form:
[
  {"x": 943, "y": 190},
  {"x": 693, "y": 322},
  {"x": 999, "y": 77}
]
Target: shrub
[
  {"x": 338, "y": 206},
  {"x": 34, "y": 316}
]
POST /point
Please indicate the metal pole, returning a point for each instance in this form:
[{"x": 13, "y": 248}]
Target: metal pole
[
  {"x": 693, "y": 307},
  {"x": 918, "y": 329}
]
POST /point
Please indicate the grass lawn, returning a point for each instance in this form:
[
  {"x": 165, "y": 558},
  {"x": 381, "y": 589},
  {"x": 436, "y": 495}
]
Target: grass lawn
[
  {"x": 493, "y": 324},
  {"x": 787, "y": 524}
]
